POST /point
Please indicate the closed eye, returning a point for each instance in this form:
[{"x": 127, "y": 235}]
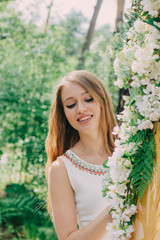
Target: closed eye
[
  {"x": 71, "y": 106},
  {"x": 89, "y": 100}
]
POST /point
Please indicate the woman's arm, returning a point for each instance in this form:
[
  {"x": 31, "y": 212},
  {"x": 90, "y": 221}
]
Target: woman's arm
[{"x": 64, "y": 211}]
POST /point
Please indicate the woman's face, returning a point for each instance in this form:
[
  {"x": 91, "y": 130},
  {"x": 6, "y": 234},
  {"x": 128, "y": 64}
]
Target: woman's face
[{"x": 81, "y": 110}]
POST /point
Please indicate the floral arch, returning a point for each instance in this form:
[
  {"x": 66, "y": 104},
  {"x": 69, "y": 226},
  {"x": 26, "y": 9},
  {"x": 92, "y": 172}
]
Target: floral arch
[{"x": 134, "y": 168}]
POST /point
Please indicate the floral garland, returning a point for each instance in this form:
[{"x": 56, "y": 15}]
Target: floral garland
[{"x": 130, "y": 168}]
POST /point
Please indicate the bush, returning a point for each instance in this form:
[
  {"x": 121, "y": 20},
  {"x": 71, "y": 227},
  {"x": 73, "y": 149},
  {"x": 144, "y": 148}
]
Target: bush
[{"x": 24, "y": 215}]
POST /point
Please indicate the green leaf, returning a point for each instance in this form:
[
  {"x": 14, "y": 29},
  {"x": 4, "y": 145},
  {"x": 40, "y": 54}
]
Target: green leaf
[{"x": 105, "y": 164}]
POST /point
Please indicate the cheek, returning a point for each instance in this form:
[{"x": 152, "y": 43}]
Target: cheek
[
  {"x": 99, "y": 115},
  {"x": 69, "y": 115},
  {"x": 98, "y": 110}
]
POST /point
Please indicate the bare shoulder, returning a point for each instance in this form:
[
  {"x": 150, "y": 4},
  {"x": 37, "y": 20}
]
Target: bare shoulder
[
  {"x": 62, "y": 200},
  {"x": 57, "y": 170},
  {"x": 58, "y": 182},
  {"x": 57, "y": 165}
]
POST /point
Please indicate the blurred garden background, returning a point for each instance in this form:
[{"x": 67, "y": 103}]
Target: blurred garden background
[{"x": 33, "y": 58}]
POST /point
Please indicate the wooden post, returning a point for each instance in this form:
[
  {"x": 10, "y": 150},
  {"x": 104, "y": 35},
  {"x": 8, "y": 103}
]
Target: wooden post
[{"x": 147, "y": 223}]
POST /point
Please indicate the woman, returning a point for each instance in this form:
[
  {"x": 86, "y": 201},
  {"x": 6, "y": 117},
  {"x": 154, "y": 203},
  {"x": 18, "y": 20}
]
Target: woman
[{"x": 79, "y": 140}]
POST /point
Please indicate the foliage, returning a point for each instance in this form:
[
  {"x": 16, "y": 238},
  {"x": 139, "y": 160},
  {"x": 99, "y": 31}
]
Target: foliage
[
  {"x": 143, "y": 161},
  {"x": 98, "y": 61},
  {"x": 23, "y": 215},
  {"x": 31, "y": 62}
]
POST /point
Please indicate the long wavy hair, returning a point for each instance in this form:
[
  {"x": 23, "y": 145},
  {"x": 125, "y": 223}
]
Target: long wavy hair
[{"x": 62, "y": 135}]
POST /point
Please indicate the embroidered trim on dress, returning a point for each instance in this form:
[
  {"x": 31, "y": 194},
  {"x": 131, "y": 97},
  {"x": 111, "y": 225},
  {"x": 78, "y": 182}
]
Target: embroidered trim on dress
[{"x": 84, "y": 166}]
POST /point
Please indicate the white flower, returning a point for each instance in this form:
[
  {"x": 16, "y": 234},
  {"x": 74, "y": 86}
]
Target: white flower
[
  {"x": 126, "y": 98},
  {"x": 155, "y": 116},
  {"x": 117, "y": 203},
  {"x": 125, "y": 217},
  {"x": 129, "y": 230},
  {"x": 140, "y": 26},
  {"x": 155, "y": 72},
  {"x": 128, "y": 213},
  {"x": 119, "y": 83},
  {"x": 129, "y": 53},
  {"x": 152, "y": 89},
  {"x": 116, "y": 63},
  {"x": 132, "y": 210},
  {"x": 144, "y": 58},
  {"x": 145, "y": 124},
  {"x": 111, "y": 195},
  {"x": 118, "y": 233},
  {"x": 145, "y": 81},
  {"x": 138, "y": 68},
  {"x": 131, "y": 148},
  {"x": 4, "y": 158},
  {"x": 154, "y": 33},
  {"x": 150, "y": 38},
  {"x": 135, "y": 84},
  {"x": 115, "y": 234},
  {"x": 119, "y": 173},
  {"x": 119, "y": 188},
  {"x": 151, "y": 6},
  {"x": 132, "y": 130},
  {"x": 36, "y": 190},
  {"x": 112, "y": 161},
  {"x": 116, "y": 130},
  {"x": 127, "y": 163},
  {"x": 101, "y": 53}
]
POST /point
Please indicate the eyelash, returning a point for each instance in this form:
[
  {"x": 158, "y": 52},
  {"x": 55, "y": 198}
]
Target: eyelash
[
  {"x": 72, "y": 105},
  {"x": 89, "y": 100}
]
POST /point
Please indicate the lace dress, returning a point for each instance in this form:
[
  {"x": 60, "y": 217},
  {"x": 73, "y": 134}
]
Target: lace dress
[{"x": 86, "y": 181}]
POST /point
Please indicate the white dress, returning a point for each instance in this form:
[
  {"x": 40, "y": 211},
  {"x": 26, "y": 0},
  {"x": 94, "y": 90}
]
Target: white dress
[{"x": 86, "y": 181}]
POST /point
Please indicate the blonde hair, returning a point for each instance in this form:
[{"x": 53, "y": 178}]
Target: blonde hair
[{"x": 62, "y": 135}]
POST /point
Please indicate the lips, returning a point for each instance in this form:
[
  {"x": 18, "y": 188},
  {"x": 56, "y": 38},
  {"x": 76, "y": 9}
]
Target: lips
[{"x": 84, "y": 118}]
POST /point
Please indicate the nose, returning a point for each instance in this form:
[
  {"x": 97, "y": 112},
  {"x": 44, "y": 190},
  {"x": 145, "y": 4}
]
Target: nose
[{"x": 81, "y": 108}]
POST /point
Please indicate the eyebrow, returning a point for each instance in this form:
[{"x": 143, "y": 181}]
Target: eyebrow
[{"x": 73, "y": 97}]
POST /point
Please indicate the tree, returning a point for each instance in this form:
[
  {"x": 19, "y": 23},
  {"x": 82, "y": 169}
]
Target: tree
[
  {"x": 31, "y": 63},
  {"x": 119, "y": 17},
  {"x": 48, "y": 16},
  {"x": 89, "y": 34}
]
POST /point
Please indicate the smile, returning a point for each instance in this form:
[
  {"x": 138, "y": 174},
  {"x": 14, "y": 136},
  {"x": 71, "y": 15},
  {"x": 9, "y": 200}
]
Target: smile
[{"x": 82, "y": 119}]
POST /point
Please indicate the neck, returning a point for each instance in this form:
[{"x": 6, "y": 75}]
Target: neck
[{"x": 92, "y": 143}]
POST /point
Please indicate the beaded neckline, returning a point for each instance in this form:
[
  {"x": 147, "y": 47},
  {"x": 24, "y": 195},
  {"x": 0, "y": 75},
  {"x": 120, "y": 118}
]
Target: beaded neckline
[{"x": 83, "y": 166}]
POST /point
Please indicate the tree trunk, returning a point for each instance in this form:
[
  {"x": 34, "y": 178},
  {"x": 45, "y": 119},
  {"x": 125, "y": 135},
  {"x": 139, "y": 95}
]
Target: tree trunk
[
  {"x": 48, "y": 16},
  {"x": 90, "y": 32},
  {"x": 119, "y": 17},
  {"x": 121, "y": 102}
]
